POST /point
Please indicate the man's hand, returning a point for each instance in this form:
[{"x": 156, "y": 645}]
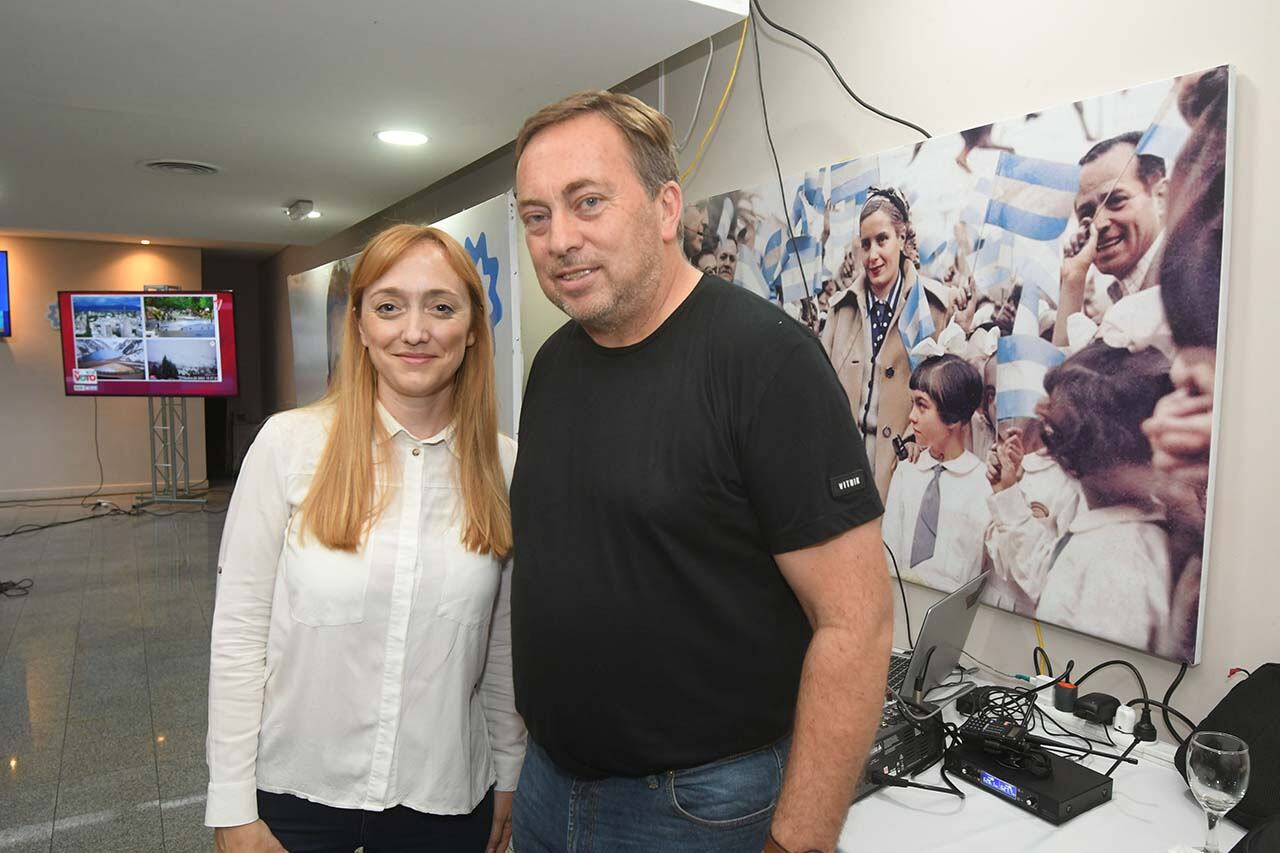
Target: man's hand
[
  {"x": 1077, "y": 257},
  {"x": 966, "y": 303},
  {"x": 500, "y": 835},
  {"x": 849, "y": 271},
  {"x": 247, "y": 838},
  {"x": 1079, "y": 254},
  {"x": 1179, "y": 431},
  {"x": 1009, "y": 453},
  {"x": 1008, "y": 312}
]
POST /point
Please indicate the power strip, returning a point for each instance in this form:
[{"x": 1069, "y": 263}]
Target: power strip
[{"x": 1158, "y": 751}]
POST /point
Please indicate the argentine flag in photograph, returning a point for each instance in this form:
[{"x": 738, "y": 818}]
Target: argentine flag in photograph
[
  {"x": 815, "y": 190},
  {"x": 842, "y": 219},
  {"x": 992, "y": 262},
  {"x": 851, "y": 180},
  {"x": 725, "y": 225},
  {"x": 771, "y": 260},
  {"x": 799, "y": 215},
  {"x": 1037, "y": 269},
  {"x": 1032, "y": 197},
  {"x": 915, "y": 323},
  {"x": 1026, "y": 320},
  {"x": 1165, "y": 139},
  {"x": 802, "y": 259},
  {"x": 1021, "y": 363}
]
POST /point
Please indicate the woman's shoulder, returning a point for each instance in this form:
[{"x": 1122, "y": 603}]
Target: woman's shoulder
[
  {"x": 507, "y": 448},
  {"x": 297, "y": 427}
]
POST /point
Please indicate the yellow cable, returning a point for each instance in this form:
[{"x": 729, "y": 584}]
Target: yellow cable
[
  {"x": 715, "y": 120},
  {"x": 1039, "y": 643}
]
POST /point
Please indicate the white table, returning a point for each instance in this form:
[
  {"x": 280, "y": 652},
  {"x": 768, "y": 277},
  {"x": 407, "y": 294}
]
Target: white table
[{"x": 1151, "y": 809}]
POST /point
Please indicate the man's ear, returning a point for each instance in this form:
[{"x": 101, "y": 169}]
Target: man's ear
[
  {"x": 671, "y": 204},
  {"x": 1160, "y": 192}
]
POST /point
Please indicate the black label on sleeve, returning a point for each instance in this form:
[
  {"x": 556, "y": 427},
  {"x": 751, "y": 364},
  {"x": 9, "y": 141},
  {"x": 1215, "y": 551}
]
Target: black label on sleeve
[{"x": 847, "y": 484}]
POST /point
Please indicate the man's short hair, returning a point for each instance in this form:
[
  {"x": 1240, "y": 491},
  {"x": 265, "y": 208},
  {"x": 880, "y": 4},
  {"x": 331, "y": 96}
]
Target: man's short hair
[
  {"x": 1150, "y": 166},
  {"x": 648, "y": 132}
]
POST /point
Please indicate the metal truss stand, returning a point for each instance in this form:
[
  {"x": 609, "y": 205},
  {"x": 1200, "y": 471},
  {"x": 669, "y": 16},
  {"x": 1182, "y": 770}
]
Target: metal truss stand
[{"x": 170, "y": 478}]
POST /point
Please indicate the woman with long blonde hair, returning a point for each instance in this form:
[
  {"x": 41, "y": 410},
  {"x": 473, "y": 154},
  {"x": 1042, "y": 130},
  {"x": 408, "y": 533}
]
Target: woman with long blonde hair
[{"x": 360, "y": 679}]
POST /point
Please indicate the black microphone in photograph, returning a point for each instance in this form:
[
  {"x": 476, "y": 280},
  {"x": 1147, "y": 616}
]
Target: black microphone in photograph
[{"x": 900, "y": 445}]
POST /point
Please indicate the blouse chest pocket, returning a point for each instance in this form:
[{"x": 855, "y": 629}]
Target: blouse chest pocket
[
  {"x": 325, "y": 587},
  {"x": 469, "y": 584}
]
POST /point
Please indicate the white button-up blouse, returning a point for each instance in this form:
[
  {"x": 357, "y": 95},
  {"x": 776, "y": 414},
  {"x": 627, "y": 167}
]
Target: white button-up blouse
[{"x": 365, "y": 680}]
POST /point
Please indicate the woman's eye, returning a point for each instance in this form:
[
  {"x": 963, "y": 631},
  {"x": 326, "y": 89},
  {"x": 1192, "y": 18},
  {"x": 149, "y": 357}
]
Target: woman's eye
[
  {"x": 442, "y": 308},
  {"x": 384, "y": 308}
]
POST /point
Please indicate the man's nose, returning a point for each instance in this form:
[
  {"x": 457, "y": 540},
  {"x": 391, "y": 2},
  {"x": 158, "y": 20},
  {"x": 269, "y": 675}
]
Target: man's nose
[{"x": 563, "y": 235}]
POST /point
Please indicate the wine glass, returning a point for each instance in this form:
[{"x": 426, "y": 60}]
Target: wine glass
[{"x": 1218, "y": 772}]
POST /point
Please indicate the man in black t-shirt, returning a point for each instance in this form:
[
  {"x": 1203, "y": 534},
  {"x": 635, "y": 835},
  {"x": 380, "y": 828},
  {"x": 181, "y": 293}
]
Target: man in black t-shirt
[{"x": 700, "y": 599}]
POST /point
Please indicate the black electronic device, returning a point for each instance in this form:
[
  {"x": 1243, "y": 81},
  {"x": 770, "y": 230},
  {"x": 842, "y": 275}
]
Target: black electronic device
[
  {"x": 1002, "y": 730},
  {"x": 975, "y": 700},
  {"x": 1096, "y": 708},
  {"x": 903, "y": 747},
  {"x": 1002, "y": 720},
  {"x": 1066, "y": 790}
]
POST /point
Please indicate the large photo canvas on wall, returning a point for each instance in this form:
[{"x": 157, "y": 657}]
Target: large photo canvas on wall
[{"x": 1027, "y": 319}]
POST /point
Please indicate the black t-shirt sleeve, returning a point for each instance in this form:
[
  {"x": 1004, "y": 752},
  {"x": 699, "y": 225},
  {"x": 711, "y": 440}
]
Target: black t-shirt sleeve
[{"x": 804, "y": 463}]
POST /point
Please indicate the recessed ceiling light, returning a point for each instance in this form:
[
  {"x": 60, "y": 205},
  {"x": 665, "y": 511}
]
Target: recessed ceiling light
[
  {"x": 145, "y": 242},
  {"x": 303, "y": 208},
  {"x": 402, "y": 137}
]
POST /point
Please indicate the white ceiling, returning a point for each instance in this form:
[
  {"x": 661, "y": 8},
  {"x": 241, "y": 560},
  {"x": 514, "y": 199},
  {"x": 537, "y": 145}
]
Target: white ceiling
[{"x": 285, "y": 97}]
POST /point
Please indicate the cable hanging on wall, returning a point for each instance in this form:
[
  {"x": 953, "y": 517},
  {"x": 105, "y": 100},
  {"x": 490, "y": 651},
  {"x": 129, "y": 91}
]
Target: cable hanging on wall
[
  {"x": 702, "y": 90},
  {"x": 917, "y": 128},
  {"x": 715, "y": 119}
]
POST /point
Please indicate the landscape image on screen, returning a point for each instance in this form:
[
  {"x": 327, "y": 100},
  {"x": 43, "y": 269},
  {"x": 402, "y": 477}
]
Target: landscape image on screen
[
  {"x": 107, "y": 316},
  {"x": 179, "y": 316},
  {"x": 188, "y": 360},
  {"x": 112, "y": 358}
]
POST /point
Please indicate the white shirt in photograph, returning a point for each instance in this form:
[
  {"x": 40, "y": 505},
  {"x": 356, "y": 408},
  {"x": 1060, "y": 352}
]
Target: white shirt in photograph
[
  {"x": 962, "y": 518},
  {"x": 1111, "y": 579},
  {"x": 366, "y": 680},
  {"x": 1108, "y": 290},
  {"x": 1026, "y": 521}
]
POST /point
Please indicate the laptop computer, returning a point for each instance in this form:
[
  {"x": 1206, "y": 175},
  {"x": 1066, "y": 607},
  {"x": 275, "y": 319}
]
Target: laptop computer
[{"x": 942, "y": 636}]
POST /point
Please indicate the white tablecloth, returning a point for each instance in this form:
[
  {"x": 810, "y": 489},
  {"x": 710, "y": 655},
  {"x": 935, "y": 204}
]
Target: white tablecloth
[{"x": 1151, "y": 809}]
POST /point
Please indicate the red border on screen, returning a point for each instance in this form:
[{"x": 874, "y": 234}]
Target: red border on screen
[{"x": 224, "y": 317}]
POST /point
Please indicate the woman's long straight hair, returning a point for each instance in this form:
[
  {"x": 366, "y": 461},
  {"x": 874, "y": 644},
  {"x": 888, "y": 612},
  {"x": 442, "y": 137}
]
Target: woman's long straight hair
[{"x": 344, "y": 500}]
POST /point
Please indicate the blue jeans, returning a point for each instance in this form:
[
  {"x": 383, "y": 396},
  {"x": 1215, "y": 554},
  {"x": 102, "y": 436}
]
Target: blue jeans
[{"x": 722, "y": 807}]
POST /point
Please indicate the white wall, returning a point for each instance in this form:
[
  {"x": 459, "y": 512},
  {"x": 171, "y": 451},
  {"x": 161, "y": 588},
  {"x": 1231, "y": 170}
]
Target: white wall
[
  {"x": 46, "y": 438},
  {"x": 948, "y": 66}
]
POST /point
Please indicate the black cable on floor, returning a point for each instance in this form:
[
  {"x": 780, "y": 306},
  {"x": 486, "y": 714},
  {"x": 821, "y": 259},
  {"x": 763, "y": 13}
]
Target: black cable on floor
[
  {"x": 97, "y": 452},
  {"x": 16, "y": 589}
]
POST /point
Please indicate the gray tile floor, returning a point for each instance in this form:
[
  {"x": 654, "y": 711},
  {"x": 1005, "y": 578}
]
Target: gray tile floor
[{"x": 103, "y": 676}]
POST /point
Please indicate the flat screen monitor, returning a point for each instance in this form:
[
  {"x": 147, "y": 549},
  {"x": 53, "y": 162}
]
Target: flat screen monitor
[
  {"x": 148, "y": 343},
  {"x": 6, "y": 326}
]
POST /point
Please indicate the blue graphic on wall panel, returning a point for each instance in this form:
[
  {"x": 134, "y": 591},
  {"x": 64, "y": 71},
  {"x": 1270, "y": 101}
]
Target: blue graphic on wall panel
[
  {"x": 5, "y": 329},
  {"x": 487, "y": 265}
]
